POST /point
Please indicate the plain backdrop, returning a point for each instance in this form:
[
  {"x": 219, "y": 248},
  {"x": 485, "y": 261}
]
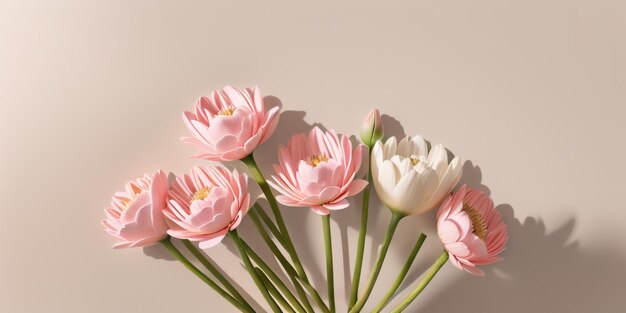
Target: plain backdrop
[{"x": 531, "y": 94}]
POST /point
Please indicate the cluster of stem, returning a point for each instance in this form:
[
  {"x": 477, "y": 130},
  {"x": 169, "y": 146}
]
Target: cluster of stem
[{"x": 278, "y": 294}]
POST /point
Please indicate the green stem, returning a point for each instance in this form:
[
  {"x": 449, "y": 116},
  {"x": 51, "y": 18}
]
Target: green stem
[
  {"x": 423, "y": 283},
  {"x": 286, "y": 239},
  {"x": 330, "y": 280},
  {"x": 215, "y": 272},
  {"x": 313, "y": 293},
  {"x": 274, "y": 292},
  {"x": 395, "y": 219},
  {"x": 402, "y": 274},
  {"x": 360, "y": 247},
  {"x": 180, "y": 257},
  {"x": 268, "y": 223},
  {"x": 257, "y": 280},
  {"x": 291, "y": 272},
  {"x": 273, "y": 278}
]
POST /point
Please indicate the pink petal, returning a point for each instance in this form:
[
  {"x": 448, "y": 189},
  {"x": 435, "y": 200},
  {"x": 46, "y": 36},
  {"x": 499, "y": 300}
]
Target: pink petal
[
  {"x": 337, "y": 206},
  {"x": 320, "y": 210}
]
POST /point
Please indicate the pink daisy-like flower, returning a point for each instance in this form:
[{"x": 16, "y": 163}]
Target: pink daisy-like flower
[
  {"x": 318, "y": 171},
  {"x": 229, "y": 124},
  {"x": 471, "y": 229},
  {"x": 207, "y": 204},
  {"x": 135, "y": 216}
]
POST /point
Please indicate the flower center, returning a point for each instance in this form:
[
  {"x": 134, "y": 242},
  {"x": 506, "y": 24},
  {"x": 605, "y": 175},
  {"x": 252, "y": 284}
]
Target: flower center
[
  {"x": 227, "y": 111},
  {"x": 478, "y": 222},
  {"x": 414, "y": 160},
  {"x": 315, "y": 160},
  {"x": 201, "y": 194}
]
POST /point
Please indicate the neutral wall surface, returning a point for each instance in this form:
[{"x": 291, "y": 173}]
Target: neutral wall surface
[{"x": 532, "y": 94}]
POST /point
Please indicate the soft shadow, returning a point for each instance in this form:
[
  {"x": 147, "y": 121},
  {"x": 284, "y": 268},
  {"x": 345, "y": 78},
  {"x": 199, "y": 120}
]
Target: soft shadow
[
  {"x": 158, "y": 252},
  {"x": 296, "y": 219},
  {"x": 542, "y": 272},
  {"x": 244, "y": 293},
  {"x": 378, "y": 217},
  {"x": 393, "y": 127},
  {"x": 350, "y": 219},
  {"x": 473, "y": 176}
]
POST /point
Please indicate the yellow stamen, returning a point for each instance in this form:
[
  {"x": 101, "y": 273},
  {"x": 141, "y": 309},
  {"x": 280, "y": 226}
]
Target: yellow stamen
[
  {"x": 202, "y": 193},
  {"x": 315, "y": 159},
  {"x": 227, "y": 111},
  {"x": 414, "y": 160},
  {"x": 478, "y": 222}
]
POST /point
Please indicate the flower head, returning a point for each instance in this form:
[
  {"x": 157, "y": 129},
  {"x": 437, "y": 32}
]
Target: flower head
[
  {"x": 408, "y": 178},
  {"x": 318, "y": 171},
  {"x": 205, "y": 205},
  {"x": 230, "y": 124},
  {"x": 471, "y": 229},
  {"x": 372, "y": 128},
  {"x": 135, "y": 216}
]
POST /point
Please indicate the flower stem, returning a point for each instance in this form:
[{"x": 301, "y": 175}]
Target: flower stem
[
  {"x": 182, "y": 259},
  {"x": 215, "y": 272},
  {"x": 402, "y": 274},
  {"x": 330, "y": 280},
  {"x": 274, "y": 292},
  {"x": 422, "y": 284},
  {"x": 273, "y": 278},
  {"x": 360, "y": 247},
  {"x": 268, "y": 222},
  {"x": 286, "y": 239},
  {"x": 257, "y": 280},
  {"x": 291, "y": 272},
  {"x": 393, "y": 224},
  {"x": 313, "y": 293}
]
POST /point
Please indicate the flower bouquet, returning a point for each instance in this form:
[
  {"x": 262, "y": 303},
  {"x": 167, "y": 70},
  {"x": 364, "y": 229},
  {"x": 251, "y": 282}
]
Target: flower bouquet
[{"x": 319, "y": 170}]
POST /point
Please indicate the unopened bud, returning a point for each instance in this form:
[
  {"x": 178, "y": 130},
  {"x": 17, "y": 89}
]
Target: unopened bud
[{"x": 372, "y": 128}]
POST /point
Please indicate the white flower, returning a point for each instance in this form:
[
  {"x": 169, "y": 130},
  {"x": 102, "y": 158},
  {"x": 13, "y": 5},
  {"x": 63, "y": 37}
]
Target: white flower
[{"x": 408, "y": 178}]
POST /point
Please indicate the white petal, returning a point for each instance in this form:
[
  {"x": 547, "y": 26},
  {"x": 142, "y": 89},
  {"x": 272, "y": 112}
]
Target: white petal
[
  {"x": 385, "y": 181},
  {"x": 390, "y": 148},
  {"x": 405, "y": 147},
  {"x": 419, "y": 147},
  {"x": 403, "y": 165},
  {"x": 450, "y": 178},
  {"x": 428, "y": 181},
  {"x": 403, "y": 193},
  {"x": 438, "y": 159},
  {"x": 377, "y": 158}
]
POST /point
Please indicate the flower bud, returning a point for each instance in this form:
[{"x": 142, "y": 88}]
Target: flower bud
[{"x": 372, "y": 128}]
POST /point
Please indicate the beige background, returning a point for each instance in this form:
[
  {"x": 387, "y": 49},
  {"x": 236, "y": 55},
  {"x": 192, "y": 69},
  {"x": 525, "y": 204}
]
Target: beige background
[{"x": 532, "y": 93}]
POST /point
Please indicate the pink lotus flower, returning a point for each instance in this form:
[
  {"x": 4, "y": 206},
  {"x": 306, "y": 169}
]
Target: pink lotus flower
[
  {"x": 205, "y": 205},
  {"x": 318, "y": 171},
  {"x": 135, "y": 216},
  {"x": 230, "y": 124},
  {"x": 471, "y": 229}
]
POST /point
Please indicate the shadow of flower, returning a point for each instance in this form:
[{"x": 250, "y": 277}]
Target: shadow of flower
[{"x": 542, "y": 272}]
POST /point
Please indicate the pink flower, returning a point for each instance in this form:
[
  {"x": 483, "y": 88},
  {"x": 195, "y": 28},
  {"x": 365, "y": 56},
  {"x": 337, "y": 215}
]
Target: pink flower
[
  {"x": 205, "y": 205},
  {"x": 135, "y": 216},
  {"x": 471, "y": 229},
  {"x": 230, "y": 124},
  {"x": 318, "y": 171}
]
